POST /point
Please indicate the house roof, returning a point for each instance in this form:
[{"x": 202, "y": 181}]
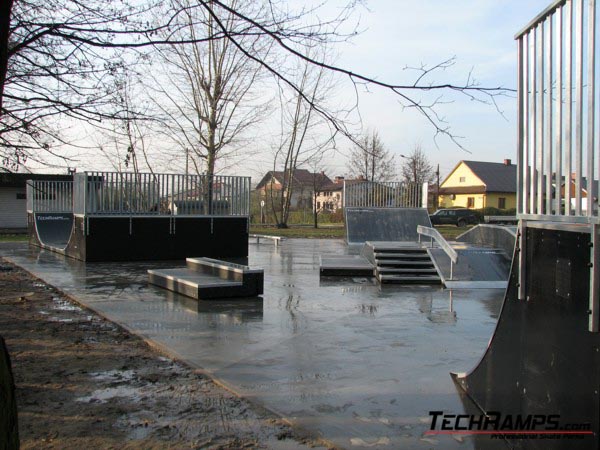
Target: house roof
[
  {"x": 300, "y": 177},
  {"x": 497, "y": 177},
  {"x": 19, "y": 180},
  {"x": 333, "y": 186}
]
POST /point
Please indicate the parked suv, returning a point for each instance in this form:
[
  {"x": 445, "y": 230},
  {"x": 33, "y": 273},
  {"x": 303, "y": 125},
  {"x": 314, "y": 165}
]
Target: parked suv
[{"x": 460, "y": 217}]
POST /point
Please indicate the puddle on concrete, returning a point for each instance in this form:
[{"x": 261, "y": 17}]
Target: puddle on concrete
[
  {"x": 61, "y": 319},
  {"x": 114, "y": 375},
  {"x": 60, "y": 304},
  {"x": 104, "y": 395}
]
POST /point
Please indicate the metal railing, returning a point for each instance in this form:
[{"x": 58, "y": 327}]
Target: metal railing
[
  {"x": 118, "y": 193},
  {"x": 557, "y": 110},
  {"x": 558, "y": 153},
  {"x": 49, "y": 196},
  {"x": 393, "y": 194},
  {"x": 443, "y": 243}
]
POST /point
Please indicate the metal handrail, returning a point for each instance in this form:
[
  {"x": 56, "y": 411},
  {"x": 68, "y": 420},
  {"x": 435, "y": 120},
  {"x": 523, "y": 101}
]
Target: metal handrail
[{"x": 443, "y": 243}]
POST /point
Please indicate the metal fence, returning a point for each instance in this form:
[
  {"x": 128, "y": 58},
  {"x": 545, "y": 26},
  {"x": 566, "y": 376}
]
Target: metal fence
[
  {"x": 49, "y": 196},
  {"x": 393, "y": 194},
  {"x": 118, "y": 193},
  {"x": 557, "y": 116},
  {"x": 558, "y": 154}
]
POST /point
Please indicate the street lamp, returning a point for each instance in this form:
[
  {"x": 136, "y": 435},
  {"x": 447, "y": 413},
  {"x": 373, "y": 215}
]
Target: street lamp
[{"x": 414, "y": 167}]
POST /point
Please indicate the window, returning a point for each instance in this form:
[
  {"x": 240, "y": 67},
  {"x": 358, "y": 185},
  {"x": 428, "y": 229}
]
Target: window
[
  {"x": 318, "y": 205},
  {"x": 21, "y": 196},
  {"x": 470, "y": 202},
  {"x": 502, "y": 203},
  {"x": 462, "y": 179}
]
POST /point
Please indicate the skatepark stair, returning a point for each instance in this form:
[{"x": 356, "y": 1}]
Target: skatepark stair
[{"x": 406, "y": 264}]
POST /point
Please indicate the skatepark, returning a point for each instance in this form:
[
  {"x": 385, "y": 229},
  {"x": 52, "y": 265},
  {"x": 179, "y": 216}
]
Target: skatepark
[
  {"x": 343, "y": 358},
  {"x": 360, "y": 342},
  {"x": 352, "y": 341}
]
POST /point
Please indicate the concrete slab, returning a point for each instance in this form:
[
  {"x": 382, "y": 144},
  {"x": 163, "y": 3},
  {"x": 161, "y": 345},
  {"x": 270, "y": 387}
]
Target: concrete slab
[{"x": 358, "y": 364}]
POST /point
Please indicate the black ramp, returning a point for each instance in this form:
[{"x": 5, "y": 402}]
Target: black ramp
[
  {"x": 54, "y": 229},
  {"x": 542, "y": 359},
  {"x": 384, "y": 224}
]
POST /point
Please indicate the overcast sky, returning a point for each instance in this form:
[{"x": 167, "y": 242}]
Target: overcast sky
[
  {"x": 405, "y": 33},
  {"x": 480, "y": 34},
  {"x": 401, "y": 33}
]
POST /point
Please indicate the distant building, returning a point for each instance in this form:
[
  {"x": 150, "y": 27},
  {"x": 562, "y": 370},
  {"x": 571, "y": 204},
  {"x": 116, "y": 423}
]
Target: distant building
[
  {"x": 13, "y": 200},
  {"x": 304, "y": 183},
  {"x": 573, "y": 189},
  {"x": 479, "y": 184},
  {"x": 330, "y": 196}
]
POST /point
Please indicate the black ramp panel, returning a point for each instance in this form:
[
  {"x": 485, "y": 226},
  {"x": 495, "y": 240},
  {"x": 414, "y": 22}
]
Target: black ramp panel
[
  {"x": 384, "y": 224},
  {"x": 54, "y": 229},
  {"x": 542, "y": 359}
]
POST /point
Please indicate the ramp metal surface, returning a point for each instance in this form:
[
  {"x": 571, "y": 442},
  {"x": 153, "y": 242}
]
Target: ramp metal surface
[
  {"x": 495, "y": 236},
  {"x": 476, "y": 267},
  {"x": 384, "y": 224},
  {"x": 54, "y": 229}
]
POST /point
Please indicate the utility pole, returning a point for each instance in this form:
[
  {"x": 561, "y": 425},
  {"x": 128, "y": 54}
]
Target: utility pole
[{"x": 437, "y": 188}]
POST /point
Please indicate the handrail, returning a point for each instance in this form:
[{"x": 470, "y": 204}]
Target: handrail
[
  {"x": 443, "y": 243},
  {"x": 550, "y": 9}
]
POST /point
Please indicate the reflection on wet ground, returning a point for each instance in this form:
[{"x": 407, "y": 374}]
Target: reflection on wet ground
[{"x": 359, "y": 364}]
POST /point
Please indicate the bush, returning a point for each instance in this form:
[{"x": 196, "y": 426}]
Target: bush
[{"x": 331, "y": 217}]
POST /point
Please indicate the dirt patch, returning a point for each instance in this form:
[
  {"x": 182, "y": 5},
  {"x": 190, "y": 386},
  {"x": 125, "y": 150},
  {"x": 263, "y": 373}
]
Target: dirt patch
[{"x": 83, "y": 382}]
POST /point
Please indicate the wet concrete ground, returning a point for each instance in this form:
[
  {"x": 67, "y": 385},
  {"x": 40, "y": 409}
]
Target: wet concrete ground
[{"x": 359, "y": 364}]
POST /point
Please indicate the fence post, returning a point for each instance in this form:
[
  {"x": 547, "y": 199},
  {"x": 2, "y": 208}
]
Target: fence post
[{"x": 425, "y": 195}]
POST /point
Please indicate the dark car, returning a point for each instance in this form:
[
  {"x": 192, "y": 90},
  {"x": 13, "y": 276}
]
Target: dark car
[{"x": 460, "y": 217}]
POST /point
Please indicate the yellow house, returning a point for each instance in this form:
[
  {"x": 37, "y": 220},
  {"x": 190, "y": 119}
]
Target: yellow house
[{"x": 479, "y": 184}]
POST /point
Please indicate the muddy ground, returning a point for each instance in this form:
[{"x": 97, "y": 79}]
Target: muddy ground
[{"x": 83, "y": 382}]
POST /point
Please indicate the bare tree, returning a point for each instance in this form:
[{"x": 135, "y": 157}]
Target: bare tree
[
  {"x": 55, "y": 56},
  {"x": 370, "y": 159},
  {"x": 302, "y": 135},
  {"x": 416, "y": 167},
  {"x": 319, "y": 181},
  {"x": 125, "y": 140},
  {"x": 209, "y": 96}
]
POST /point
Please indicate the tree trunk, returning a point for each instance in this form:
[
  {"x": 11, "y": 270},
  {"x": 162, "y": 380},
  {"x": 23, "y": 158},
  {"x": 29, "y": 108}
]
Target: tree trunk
[
  {"x": 5, "y": 13},
  {"x": 315, "y": 212},
  {"x": 9, "y": 430}
]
